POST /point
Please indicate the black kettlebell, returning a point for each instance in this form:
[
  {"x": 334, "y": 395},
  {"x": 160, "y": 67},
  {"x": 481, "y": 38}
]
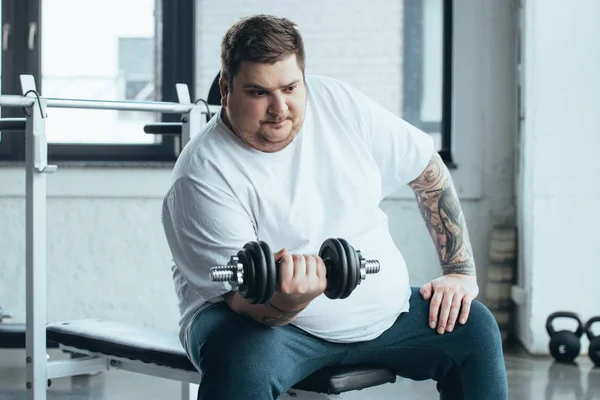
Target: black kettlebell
[
  {"x": 564, "y": 345},
  {"x": 594, "y": 350}
]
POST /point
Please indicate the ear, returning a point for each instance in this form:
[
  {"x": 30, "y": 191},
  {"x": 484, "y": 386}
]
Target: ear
[{"x": 223, "y": 86}]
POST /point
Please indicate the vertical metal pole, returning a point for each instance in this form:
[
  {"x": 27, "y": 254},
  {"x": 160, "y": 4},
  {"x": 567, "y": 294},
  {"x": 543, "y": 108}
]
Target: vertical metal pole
[
  {"x": 35, "y": 203},
  {"x": 192, "y": 121},
  {"x": 185, "y": 391},
  {"x": 36, "y": 167}
]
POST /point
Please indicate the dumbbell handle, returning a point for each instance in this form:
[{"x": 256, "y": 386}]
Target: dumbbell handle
[{"x": 233, "y": 272}]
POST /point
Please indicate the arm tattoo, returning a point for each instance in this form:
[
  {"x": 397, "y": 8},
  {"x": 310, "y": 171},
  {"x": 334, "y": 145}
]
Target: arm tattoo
[
  {"x": 282, "y": 317},
  {"x": 441, "y": 210}
]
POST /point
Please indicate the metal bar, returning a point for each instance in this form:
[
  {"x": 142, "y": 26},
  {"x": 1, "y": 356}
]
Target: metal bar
[
  {"x": 151, "y": 106},
  {"x": 12, "y": 124},
  {"x": 12, "y": 100},
  {"x": 35, "y": 256},
  {"x": 77, "y": 366},
  {"x": 191, "y": 123},
  {"x": 185, "y": 391}
]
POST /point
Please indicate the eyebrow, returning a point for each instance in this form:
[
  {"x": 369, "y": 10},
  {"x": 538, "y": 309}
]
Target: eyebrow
[{"x": 258, "y": 87}]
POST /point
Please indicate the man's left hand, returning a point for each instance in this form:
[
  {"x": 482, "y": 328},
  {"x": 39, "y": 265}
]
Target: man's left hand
[{"x": 450, "y": 294}]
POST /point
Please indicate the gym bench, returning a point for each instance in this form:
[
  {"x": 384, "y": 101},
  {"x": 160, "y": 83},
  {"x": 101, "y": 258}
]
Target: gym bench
[
  {"x": 112, "y": 345},
  {"x": 102, "y": 345}
]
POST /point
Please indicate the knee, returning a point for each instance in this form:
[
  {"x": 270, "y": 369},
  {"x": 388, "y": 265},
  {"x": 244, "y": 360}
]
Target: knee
[
  {"x": 255, "y": 362},
  {"x": 481, "y": 330},
  {"x": 257, "y": 356},
  {"x": 240, "y": 351}
]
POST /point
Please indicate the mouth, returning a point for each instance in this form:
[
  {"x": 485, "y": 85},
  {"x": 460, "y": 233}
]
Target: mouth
[{"x": 276, "y": 123}]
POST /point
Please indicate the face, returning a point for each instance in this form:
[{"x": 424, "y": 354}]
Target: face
[{"x": 266, "y": 105}]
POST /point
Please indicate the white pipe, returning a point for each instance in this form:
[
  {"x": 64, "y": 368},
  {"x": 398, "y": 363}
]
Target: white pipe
[{"x": 150, "y": 106}]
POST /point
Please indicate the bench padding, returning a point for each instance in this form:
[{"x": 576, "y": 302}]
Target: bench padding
[
  {"x": 148, "y": 345},
  {"x": 12, "y": 336},
  {"x": 160, "y": 347}
]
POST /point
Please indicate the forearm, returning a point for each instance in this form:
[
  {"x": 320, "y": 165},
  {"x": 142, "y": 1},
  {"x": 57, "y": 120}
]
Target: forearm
[
  {"x": 443, "y": 216},
  {"x": 273, "y": 313}
]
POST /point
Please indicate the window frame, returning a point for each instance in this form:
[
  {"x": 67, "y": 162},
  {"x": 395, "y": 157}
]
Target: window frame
[
  {"x": 177, "y": 57},
  {"x": 413, "y": 73}
]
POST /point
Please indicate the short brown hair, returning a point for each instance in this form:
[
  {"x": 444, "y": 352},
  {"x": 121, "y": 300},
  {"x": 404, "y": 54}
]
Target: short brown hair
[{"x": 259, "y": 38}]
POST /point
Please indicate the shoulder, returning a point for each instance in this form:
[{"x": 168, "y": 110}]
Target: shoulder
[
  {"x": 338, "y": 98},
  {"x": 203, "y": 162},
  {"x": 210, "y": 145},
  {"x": 323, "y": 86}
]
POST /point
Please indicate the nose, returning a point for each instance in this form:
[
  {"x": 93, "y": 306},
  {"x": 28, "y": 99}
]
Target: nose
[{"x": 278, "y": 105}]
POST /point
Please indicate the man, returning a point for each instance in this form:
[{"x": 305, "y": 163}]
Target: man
[{"x": 293, "y": 160}]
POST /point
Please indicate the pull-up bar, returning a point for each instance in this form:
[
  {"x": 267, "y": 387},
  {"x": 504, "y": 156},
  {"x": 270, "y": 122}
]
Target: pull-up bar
[{"x": 151, "y": 106}]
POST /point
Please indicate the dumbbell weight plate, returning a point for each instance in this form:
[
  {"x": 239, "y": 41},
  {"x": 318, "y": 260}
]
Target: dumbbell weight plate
[
  {"x": 255, "y": 253},
  {"x": 247, "y": 288},
  {"x": 353, "y": 268},
  {"x": 271, "y": 271},
  {"x": 332, "y": 252},
  {"x": 244, "y": 288}
]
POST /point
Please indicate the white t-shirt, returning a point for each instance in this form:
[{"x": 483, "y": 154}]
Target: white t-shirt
[{"x": 327, "y": 183}]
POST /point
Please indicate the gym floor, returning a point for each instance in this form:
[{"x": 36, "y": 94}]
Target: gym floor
[{"x": 529, "y": 378}]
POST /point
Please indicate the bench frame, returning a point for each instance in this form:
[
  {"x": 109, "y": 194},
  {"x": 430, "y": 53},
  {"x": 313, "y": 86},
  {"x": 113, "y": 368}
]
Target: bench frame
[{"x": 94, "y": 363}]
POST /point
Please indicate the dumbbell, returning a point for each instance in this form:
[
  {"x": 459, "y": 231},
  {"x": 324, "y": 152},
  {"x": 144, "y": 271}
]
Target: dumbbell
[
  {"x": 254, "y": 272},
  {"x": 564, "y": 345},
  {"x": 594, "y": 350}
]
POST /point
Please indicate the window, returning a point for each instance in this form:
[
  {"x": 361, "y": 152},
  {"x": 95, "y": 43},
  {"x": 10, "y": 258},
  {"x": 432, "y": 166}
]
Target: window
[
  {"x": 427, "y": 69},
  {"x": 149, "y": 45},
  {"x": 136, "y": 76},
  {"x": 139, "y": 55}
]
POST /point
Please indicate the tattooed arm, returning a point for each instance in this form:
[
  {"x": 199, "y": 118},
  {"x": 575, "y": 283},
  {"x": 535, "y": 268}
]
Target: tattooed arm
[
  {"x": 441, "y": 210},
  {"x": 453, "y": 292}
]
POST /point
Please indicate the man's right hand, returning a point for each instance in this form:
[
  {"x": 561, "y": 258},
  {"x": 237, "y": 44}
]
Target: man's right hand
[{"x": 301, "y": 279}]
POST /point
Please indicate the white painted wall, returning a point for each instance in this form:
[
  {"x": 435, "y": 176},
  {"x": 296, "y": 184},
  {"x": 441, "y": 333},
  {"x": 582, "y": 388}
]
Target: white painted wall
[
  {"x": 107, "y": 256},
  {"x": 559, "y": 167}
]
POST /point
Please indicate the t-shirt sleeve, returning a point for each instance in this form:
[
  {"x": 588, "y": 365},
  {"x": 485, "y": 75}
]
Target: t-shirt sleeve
[
  {"x": 204, "y": 225},
  {"x": 400, "y": 150}
]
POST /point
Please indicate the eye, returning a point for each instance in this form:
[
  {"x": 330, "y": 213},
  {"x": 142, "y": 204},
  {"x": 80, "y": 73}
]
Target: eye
[
  {"x": 257, "y": 93},
  {"x": 291, "y": 88}
]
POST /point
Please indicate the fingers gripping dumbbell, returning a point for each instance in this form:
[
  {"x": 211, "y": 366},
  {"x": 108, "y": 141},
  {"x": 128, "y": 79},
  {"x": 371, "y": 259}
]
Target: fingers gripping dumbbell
[{"x": 254, "y": 272}]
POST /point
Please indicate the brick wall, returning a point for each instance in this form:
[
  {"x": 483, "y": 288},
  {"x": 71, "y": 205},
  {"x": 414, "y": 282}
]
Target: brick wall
[{"x": 357, "y": 42}]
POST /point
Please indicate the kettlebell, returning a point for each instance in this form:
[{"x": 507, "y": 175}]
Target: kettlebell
[
  {"x": 594, "y": 350},
  {"x": 564, "y": 345}
]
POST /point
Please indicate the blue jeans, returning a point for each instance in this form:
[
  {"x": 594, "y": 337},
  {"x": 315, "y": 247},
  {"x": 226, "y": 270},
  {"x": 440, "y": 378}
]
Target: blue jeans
[{"x": 243, "y": 359}]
